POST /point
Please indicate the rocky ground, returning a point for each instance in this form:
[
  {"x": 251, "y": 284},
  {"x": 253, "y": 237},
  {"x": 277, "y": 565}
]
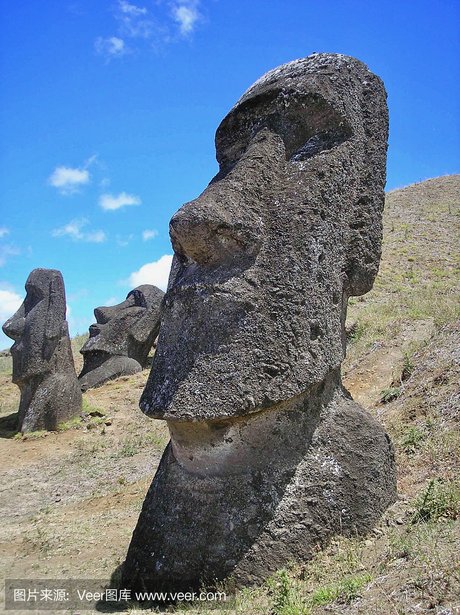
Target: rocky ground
[{"x": 69, "y": 500}]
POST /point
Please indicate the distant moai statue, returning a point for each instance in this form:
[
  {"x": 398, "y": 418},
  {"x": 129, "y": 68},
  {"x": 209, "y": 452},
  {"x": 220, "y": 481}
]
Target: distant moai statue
[
  {"x": 269, "y": 455},
  {"x": 122, "y": 337},
  {"x": 43, "y": 365}
]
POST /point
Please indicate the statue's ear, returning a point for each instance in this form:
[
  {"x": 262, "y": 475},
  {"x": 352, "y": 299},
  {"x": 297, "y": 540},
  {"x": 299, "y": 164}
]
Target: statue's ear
[
  {"x": 55, "y": 315},
  {"x": 365, "y": 216}
]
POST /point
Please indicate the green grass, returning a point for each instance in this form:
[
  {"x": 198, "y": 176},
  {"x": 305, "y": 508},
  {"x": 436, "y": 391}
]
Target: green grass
[
  {"x": 344, "y": 591},
  {"x": 390, "y": 394},
  {"x": 135, "y": 444},
  {"x": 440, "y": 500},
  {"x": 414, "y": 274},
  {"x": 412, "y": 439},
  {"x": 89, "y": 418},
  {"x": 6, "y": 365},
  {"x": 32, "y": 435}
]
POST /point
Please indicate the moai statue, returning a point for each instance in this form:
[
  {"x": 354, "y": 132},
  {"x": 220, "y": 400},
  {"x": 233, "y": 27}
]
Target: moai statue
[
  {"x": 269, "y": 455},
  {"x": 122, "y": 337},
  {"x": 43, "y": 365}
]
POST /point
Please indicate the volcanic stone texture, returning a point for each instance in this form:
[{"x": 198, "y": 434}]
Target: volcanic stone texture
[
  {"x": 122, "y": 337},
  {"x": 43, "y": 365},
  {"x": 269, "y": 456}
]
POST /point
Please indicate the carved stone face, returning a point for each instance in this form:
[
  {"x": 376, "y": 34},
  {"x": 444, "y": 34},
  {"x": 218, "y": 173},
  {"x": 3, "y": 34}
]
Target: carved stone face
[
  {"x": 126, "y": 329},
  {"x": 38, "y": 325},
  {"x": 266, "y": 258}
]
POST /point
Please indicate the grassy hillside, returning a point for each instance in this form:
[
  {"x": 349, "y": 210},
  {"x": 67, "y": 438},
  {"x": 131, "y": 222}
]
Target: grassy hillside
[{"x": 74, "y": 496}]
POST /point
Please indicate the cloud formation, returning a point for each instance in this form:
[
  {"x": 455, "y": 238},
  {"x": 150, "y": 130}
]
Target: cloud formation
[
  {"x": 149, "y": 234},
  {"x": 168, "y": 21},
  {"x": 9, "y": 303},
  {"x": 68, "y": 180},
  {"x": 111, "y": 47},
  {"x": 131, "y": 9},
  {"x": 4, "y": 231},
  {"x": 156, "y": 273},
  {"x": 133, "y": 20},
  {"x": 186, "y": 16},
  {"x": 110, "y": 202},
  {"x": 74, "y": 230}
]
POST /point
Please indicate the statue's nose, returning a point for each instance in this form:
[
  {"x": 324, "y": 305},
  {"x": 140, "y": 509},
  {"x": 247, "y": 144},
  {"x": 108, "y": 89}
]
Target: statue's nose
[
  {"x": 218, "y": 227},
  {"x": 103, "y": 314},
  {"x": 14, "y": 326},
  {"x": 225, "y": 223}
]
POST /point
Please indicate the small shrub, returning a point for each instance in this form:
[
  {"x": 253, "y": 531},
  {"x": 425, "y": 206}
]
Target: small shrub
[
  {"x": 287, "y": 600},
  {"x": 355, "y": 332},
  {"x": 440, "y": 500},
  {"x": 411, "y": 439},
  {"x": 390, "y": 394},
  {"x": 408, "y": 367}
]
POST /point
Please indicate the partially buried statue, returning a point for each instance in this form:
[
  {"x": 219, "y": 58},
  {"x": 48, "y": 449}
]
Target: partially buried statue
[
  {"x": 43, "y": 365},
  {"x": 269, "y": 455},
  {"x": 121, "y": 339}
]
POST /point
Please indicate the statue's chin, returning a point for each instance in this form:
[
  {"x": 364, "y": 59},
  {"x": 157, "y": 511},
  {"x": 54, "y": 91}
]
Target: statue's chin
[{"x": 280, "y": 435}]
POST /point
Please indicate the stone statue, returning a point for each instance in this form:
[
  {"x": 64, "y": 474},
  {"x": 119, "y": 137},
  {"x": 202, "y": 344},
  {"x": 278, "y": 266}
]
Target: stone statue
[
  {"x": 269, "y": 455},
  {"x": 122, "y": 337},
  {"x": 43, "y": 365}
]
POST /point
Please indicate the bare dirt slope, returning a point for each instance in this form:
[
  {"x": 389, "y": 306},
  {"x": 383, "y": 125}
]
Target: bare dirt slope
[{"x": 69, "y": 500}]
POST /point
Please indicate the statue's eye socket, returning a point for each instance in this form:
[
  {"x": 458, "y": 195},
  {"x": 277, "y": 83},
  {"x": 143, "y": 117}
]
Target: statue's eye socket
[
  {"x": 307, "y": 123},
  {"x": 33, "y": 297},
  {"x": 139, "y": 299},
  {"x": 320, "y": 142}
]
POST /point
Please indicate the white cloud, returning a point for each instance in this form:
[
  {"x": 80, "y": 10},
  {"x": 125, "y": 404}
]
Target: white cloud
[
  {"x": 133, "y": 20},
  {"x": 156, "y": 273},
  {"x": 9, "y": 303},
  {"x": 149, "y": 234},
  {"x": 170, "y": 20},
  {"x": 111, "y": 47},
  {"x": 110, "y": 202},
  {"x": 95, "y": 237},
  {"x": 4, "y": 231},
  {"x": 186, "y": 15},
  {"x": 74, "y": 230},
  {"x": 131, "y": 9},
  {"x": 68, "y": 180}
]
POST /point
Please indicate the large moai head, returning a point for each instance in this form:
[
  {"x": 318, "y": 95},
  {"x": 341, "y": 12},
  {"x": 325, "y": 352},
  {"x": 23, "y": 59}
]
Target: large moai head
[
  {"x": 269, "y": 456},
  {"x": 38, "y": 325},
  {"x": 42, "y": 360},
  {"x": 266, "y": 258},
  {"x": 122, "y": 337}
]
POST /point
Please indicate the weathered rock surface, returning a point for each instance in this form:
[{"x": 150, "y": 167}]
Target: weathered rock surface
[
  {"x": 122, "y": 337},
  {"x": 43, "y": 365},
  {"x": 269, "y": 456}
]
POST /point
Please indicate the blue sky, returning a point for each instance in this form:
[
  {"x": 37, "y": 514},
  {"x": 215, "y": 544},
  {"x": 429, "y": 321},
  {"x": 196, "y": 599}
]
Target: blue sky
[{"x": 109, "y": 108}]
